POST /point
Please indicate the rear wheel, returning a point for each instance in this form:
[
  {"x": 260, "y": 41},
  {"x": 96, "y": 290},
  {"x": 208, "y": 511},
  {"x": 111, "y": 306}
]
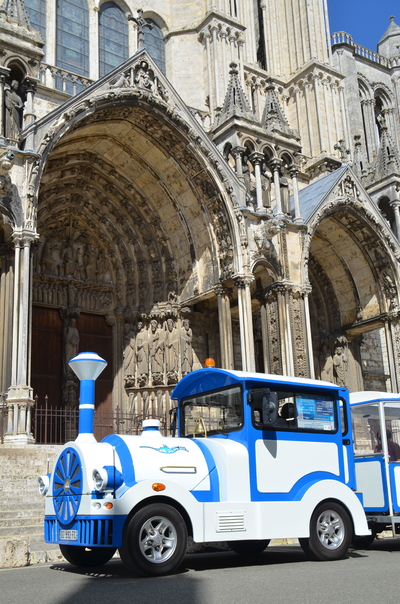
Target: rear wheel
[
  {"x": 330, "y": 532},
  {"x": 79, "y": 555},
  {"x": 154, "y": 542},
  {"x": 249, "y": 548}
]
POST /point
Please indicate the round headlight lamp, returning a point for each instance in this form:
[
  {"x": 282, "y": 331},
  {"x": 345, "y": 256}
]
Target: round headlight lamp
[
  {"x": 43, "y": 484},
  {"x": 100, "y": 479}
]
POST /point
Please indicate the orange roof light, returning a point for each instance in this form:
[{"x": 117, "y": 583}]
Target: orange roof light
[
  {"x": 158, "y": 486},
  {"x": 209, "y": 363}
]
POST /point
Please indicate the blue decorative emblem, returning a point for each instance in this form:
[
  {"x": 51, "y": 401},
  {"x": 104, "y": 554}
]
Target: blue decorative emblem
[{"x": 165, "y": 449}]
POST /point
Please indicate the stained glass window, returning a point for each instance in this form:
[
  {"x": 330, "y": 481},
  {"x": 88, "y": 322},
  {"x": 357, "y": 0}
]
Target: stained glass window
[
  {"x": 36, "y": 10},
  {"x": 154, "y": 44},
  {"x": 73, "y": 36},
  {"x": 113, "y": 37}
]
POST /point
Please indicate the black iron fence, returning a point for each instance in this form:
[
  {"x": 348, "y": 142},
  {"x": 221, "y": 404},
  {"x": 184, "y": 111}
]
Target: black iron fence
[{"x": 57, "y": 426}]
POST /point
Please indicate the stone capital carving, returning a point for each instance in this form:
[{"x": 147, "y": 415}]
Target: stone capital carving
[
  {"x": 276, "y": 164},
  {"x": 243, "y": 281},
  {"x": 256, "y": 158}
]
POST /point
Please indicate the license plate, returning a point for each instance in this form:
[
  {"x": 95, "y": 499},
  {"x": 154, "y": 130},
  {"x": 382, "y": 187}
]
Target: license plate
[{"x": 71, "y": 535}]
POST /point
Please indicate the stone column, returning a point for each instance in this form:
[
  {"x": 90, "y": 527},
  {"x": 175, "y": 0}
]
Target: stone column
[
  {"x": 245, "y": 322},
  {"x": 368, "y": 140},
  {"x": 275, "y": 167},
  {"x": 20, "y": 396},
  {"x": 309, "y": 336},
  {"x": 4, "y": 73},
  {"x": 240, "y": 44},
  {"x": 334, "y": 86},
  {"x": 219, "y": 290},
  {"x": 346, "y": 130},
  {"x": 328, "y": 114},
  {"x": 265, "y": 38},
  {"x": 256, "y": 159},
  {"x": 214, "y": 32},
  {"x": 316, "y": 79},
  {"x": 6, "y": 311},
  {"x": 29, "y": 112},
  {"x": 223, "y": 35},
  {"x": 395, "y": 204},
  {"x": 307, "y": 87},
  {"x": 225, "y": 327},
  {"x": 232, "y": 41},
  {"x": 293, "y": 173},
  {"x": 207, "y": 37},
  {"x": 264, "y": 332},
  {"x": 237, "y": 153},
  {"x": 392, "y": 365}
]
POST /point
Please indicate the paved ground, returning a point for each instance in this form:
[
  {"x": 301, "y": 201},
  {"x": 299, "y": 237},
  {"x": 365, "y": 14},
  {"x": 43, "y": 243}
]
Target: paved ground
[{"x": 280, "y": 575}]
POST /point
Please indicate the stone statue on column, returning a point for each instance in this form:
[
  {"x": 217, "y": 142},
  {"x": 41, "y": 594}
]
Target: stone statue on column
[
  {"x": 172, "y": 352},
  {"x": 285, "y": 194},
  {"x": 340, "y": 366},
  {"x": 142, "y": 354},
  {"x": 129, "y": 350},
  {"x": 71, "y": 342},
  {"x": 186, "y": 348},
  {"x": 266, "y": 186},
  {"x": 13, "y": 105},
  {"x": 157, "y": 349}
]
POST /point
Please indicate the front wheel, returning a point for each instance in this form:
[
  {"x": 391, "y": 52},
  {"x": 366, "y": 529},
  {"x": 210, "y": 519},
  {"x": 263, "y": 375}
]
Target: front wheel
[
  {"x": 249, "y": 548},
  {"x": 154, "y": 541},
  {"x": 85, "y": 557},
  {"x": 330, "y": 532}
]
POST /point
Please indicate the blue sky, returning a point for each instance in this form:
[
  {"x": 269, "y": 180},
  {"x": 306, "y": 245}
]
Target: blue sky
[{"x": 365, "y": 20}]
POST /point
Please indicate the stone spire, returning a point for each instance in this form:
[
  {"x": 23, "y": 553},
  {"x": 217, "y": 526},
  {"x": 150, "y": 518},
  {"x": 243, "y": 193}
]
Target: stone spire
[
  {"x": 387, "y": 161},
  {"x": 389, "y": 43},
  {"x": 14, "y": 12},
  {"x": 235, "y": 103},
  {"x": 273, "y": 118}
]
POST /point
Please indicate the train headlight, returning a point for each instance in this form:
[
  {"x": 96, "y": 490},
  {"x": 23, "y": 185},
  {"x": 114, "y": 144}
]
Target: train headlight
[
  {"x": 100, "y": 479},
  {"x": 43, "y": 484}
]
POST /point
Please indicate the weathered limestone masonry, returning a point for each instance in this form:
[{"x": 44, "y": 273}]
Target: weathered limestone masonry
[
  {"x": 224, "y": 184},
  {"x": 21, "y": 506}
]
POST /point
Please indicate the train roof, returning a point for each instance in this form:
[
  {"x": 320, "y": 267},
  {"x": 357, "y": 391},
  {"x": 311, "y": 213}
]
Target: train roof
[
  {"x": 211, "y": 378},
  {"x": 359, "y": 398}
]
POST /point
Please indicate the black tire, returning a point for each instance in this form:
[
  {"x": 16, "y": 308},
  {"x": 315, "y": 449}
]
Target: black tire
[
  {"x": 249, "y": 548},
  {"x": 330, "y": 532},
  {"x": 85, "y": 557},
  {"x": 364, "y": 541},
  {"x": 154, "y": 541}
]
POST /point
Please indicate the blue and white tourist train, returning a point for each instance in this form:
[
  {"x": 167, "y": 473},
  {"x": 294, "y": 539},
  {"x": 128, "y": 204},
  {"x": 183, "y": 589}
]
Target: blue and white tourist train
[{"x": 255, "y": 457}]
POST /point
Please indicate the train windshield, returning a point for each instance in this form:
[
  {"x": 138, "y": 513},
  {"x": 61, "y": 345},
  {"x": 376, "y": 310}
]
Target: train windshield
[{"x": 212, "y": 413}]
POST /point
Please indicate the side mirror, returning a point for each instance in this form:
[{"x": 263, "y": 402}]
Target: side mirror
[{"x": 270, "y": 408}]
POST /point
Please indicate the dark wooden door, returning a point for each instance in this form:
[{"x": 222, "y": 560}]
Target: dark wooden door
[
  {"x": 47, "y": 355},
  {"x": 96, "y": 336}
]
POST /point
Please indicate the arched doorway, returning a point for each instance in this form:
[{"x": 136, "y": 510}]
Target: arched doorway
[
  {"x": 134, "y": 234},
  {"x": 353, "y": 292}
]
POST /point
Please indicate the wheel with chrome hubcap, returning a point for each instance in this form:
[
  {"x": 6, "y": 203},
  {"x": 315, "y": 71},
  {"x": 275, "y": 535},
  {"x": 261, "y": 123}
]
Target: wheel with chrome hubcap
[
  {"x": 154, "y": 541},
  {"x": 330, "y": 532}
]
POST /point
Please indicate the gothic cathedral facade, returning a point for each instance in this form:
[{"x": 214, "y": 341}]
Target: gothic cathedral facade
[{"x": 182, "y": 180}]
